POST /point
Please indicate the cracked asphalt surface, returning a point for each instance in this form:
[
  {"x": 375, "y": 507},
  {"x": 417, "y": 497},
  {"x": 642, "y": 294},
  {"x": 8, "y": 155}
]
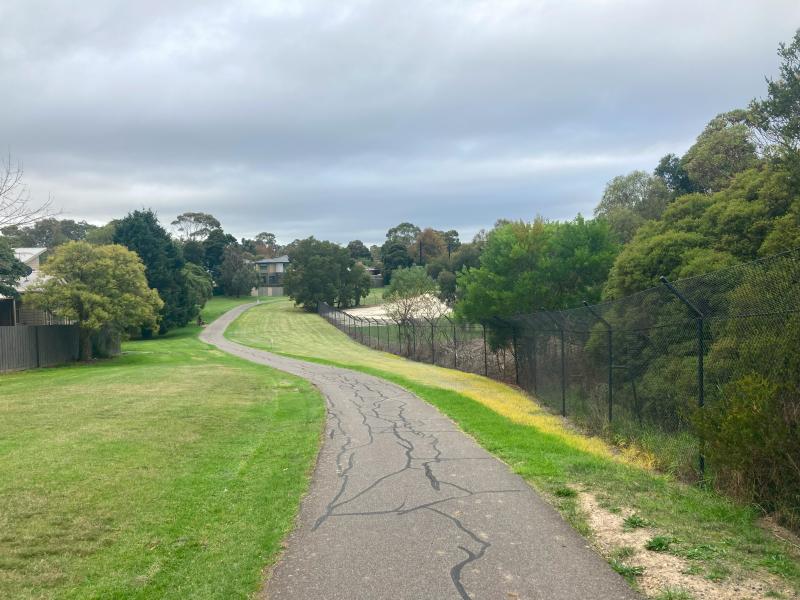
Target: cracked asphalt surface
[{"x": 404, "y": 505}]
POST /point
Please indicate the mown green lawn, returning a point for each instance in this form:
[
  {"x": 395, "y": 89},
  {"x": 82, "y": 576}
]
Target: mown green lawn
[
  {"x": 173, "y": 471},
  {"x": 719, "y": 538},
  {"x": 374, "y": 297}
]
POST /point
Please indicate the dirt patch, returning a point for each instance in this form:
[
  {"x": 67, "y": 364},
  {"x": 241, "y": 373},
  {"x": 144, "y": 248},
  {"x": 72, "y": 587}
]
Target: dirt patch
[
  {"x": 780, "y": 532},
  {"x": 665, "y": 571}
]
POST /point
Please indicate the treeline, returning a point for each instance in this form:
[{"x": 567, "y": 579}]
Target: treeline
[
  {"x": 184, "y": 269},
  {"x": 322, "y": 271},
  {"x": 733, "y": 197}
]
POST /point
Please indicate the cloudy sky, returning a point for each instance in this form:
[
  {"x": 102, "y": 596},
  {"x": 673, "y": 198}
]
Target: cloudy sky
[{"x": 341, "y": 119}]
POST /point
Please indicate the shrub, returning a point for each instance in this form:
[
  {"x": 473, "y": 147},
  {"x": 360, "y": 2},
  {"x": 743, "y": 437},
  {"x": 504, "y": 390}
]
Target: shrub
[{"x": 752, "y": 443}]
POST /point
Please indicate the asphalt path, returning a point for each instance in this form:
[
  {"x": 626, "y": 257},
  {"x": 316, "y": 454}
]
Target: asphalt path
[{"x": 404, "y": 505}]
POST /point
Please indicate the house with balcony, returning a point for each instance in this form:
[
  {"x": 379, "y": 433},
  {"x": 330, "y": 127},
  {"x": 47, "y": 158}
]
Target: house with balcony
[{"x": 270, "y": 275}]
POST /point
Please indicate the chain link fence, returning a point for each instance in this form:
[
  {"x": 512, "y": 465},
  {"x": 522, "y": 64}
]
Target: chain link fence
[{"x": 644, "y": 370}]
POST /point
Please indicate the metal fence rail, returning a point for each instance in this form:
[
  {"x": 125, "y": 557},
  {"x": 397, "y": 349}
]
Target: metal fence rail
[
  {"x": 639, "y": 369},
  {"x": 31, "y": 346}
]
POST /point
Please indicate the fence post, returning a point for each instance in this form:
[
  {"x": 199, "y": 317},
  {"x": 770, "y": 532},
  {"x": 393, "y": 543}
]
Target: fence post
[
  {"x": 699, "y": 325},
  {"x": 433, "y": 343},
  {"x": 485, "y": 357},
  {"x": 38, "y": 350},
  {"x": 455, "y": 346},
  {"x": 535, "y": 370},
  {"x": 516, "y": 361},
  {"x": 560, "y": 328},
  {"x": 610, "y": 359}
]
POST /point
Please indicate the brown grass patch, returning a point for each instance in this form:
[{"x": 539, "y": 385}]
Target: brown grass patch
[{"x": 666, "y": 571}]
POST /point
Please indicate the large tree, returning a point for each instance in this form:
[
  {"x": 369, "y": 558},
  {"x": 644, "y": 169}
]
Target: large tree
[
  {"x": 214, "y": 251},
  {"x": 267, "y": 244},
  {"x": 238, "y": 275},
  {"x": 322, "y": 271},
  {"x": 404, "y": 233},
  {"x": 394, "y": 255},
  {"x": 722, "y": 150},
  {"x": 11, "y": 270},
  {"x": 529, "y": 265},
  {"x": 141, "y": 232},
  {"x": 671, "y": 170},
  {"x": 630, "y": 200},
  {"x": 98, "y": 287},
  {"x": 195, "y": 225},
  {"x": 358, "y": 251},
  {"x": 777, "y": 117},
  {"x": 758, "y": 213},
  {"x": 428, "y": 245}
]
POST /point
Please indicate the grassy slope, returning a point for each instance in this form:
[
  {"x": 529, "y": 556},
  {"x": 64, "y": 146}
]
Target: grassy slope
[
  {"x": 717, "y": 535},
  {"x": 173, "y": 471}
]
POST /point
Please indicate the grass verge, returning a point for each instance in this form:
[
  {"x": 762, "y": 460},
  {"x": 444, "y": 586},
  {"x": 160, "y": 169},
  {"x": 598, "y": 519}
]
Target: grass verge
[
  {"x": 173, "y": 471},
  {"x": 717, "y": 536}
]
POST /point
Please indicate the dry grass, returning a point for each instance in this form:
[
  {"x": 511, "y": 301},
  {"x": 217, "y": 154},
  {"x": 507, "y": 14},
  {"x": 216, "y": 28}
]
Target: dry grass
[{"x": 280, "y": 327}]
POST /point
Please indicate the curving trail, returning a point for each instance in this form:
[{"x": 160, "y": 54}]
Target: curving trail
[{"x": 403, "y": 505}]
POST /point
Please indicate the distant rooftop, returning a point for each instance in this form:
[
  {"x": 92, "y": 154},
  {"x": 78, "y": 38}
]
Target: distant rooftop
[
  {"x": 26, "y": 255},
  {"x": 279, "y": 259}
]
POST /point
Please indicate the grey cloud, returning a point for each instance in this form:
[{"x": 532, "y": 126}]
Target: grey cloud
[{"x": 271, "y": 114}]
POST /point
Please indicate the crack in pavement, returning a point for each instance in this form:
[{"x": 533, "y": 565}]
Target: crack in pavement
[
  {"x": 372, "y": 403},
  {"x": 391, "y": 465}
]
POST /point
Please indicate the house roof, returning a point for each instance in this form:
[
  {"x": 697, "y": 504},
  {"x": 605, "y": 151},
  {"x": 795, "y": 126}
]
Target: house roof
[
  {"x": 279, "y": 259},
  {"x": 26, "y": 255}
]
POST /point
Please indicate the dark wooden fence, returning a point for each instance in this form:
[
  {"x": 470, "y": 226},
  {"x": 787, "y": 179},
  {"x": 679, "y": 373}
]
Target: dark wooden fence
[{"x": 32, "y": 346}]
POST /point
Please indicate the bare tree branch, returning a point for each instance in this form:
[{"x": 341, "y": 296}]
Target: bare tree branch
[{"x": 15, "y": 199}]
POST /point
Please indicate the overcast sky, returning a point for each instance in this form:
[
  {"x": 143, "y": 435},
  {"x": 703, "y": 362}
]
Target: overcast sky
[{"x": 342, "y": 118}]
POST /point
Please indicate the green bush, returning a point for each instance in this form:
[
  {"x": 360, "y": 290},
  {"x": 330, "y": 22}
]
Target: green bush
[{"x": 752, "y": 442}]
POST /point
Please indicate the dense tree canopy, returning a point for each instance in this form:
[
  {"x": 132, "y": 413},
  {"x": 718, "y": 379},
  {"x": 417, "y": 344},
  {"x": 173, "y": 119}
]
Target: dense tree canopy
[
  {"x": 394, "y": 255},
  {"x": 98, "y": 287},
  {"x": 404, "y": 233},
  {"x": 630, "y": 200},
  {"x": 11, "y": 270},
  {"x": 102, "y": 235},
  {"x": 757, "y": 214},
  {"x": 358, "y": 251},
  {"x": 214, "y": 251},
  {"x": 199, "y": 283},
  {"x": 237, "y": 274},
  {"x": 526, "y": 266},
  {"x": 47, "y": 233},
  {"x": 722, "y": 150},
  {"x": 428, "y": 245},
  {"x": 322, "y": 271},
  {"x": 673, "y": 173},
  {"x": 141, "y": 232}
]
